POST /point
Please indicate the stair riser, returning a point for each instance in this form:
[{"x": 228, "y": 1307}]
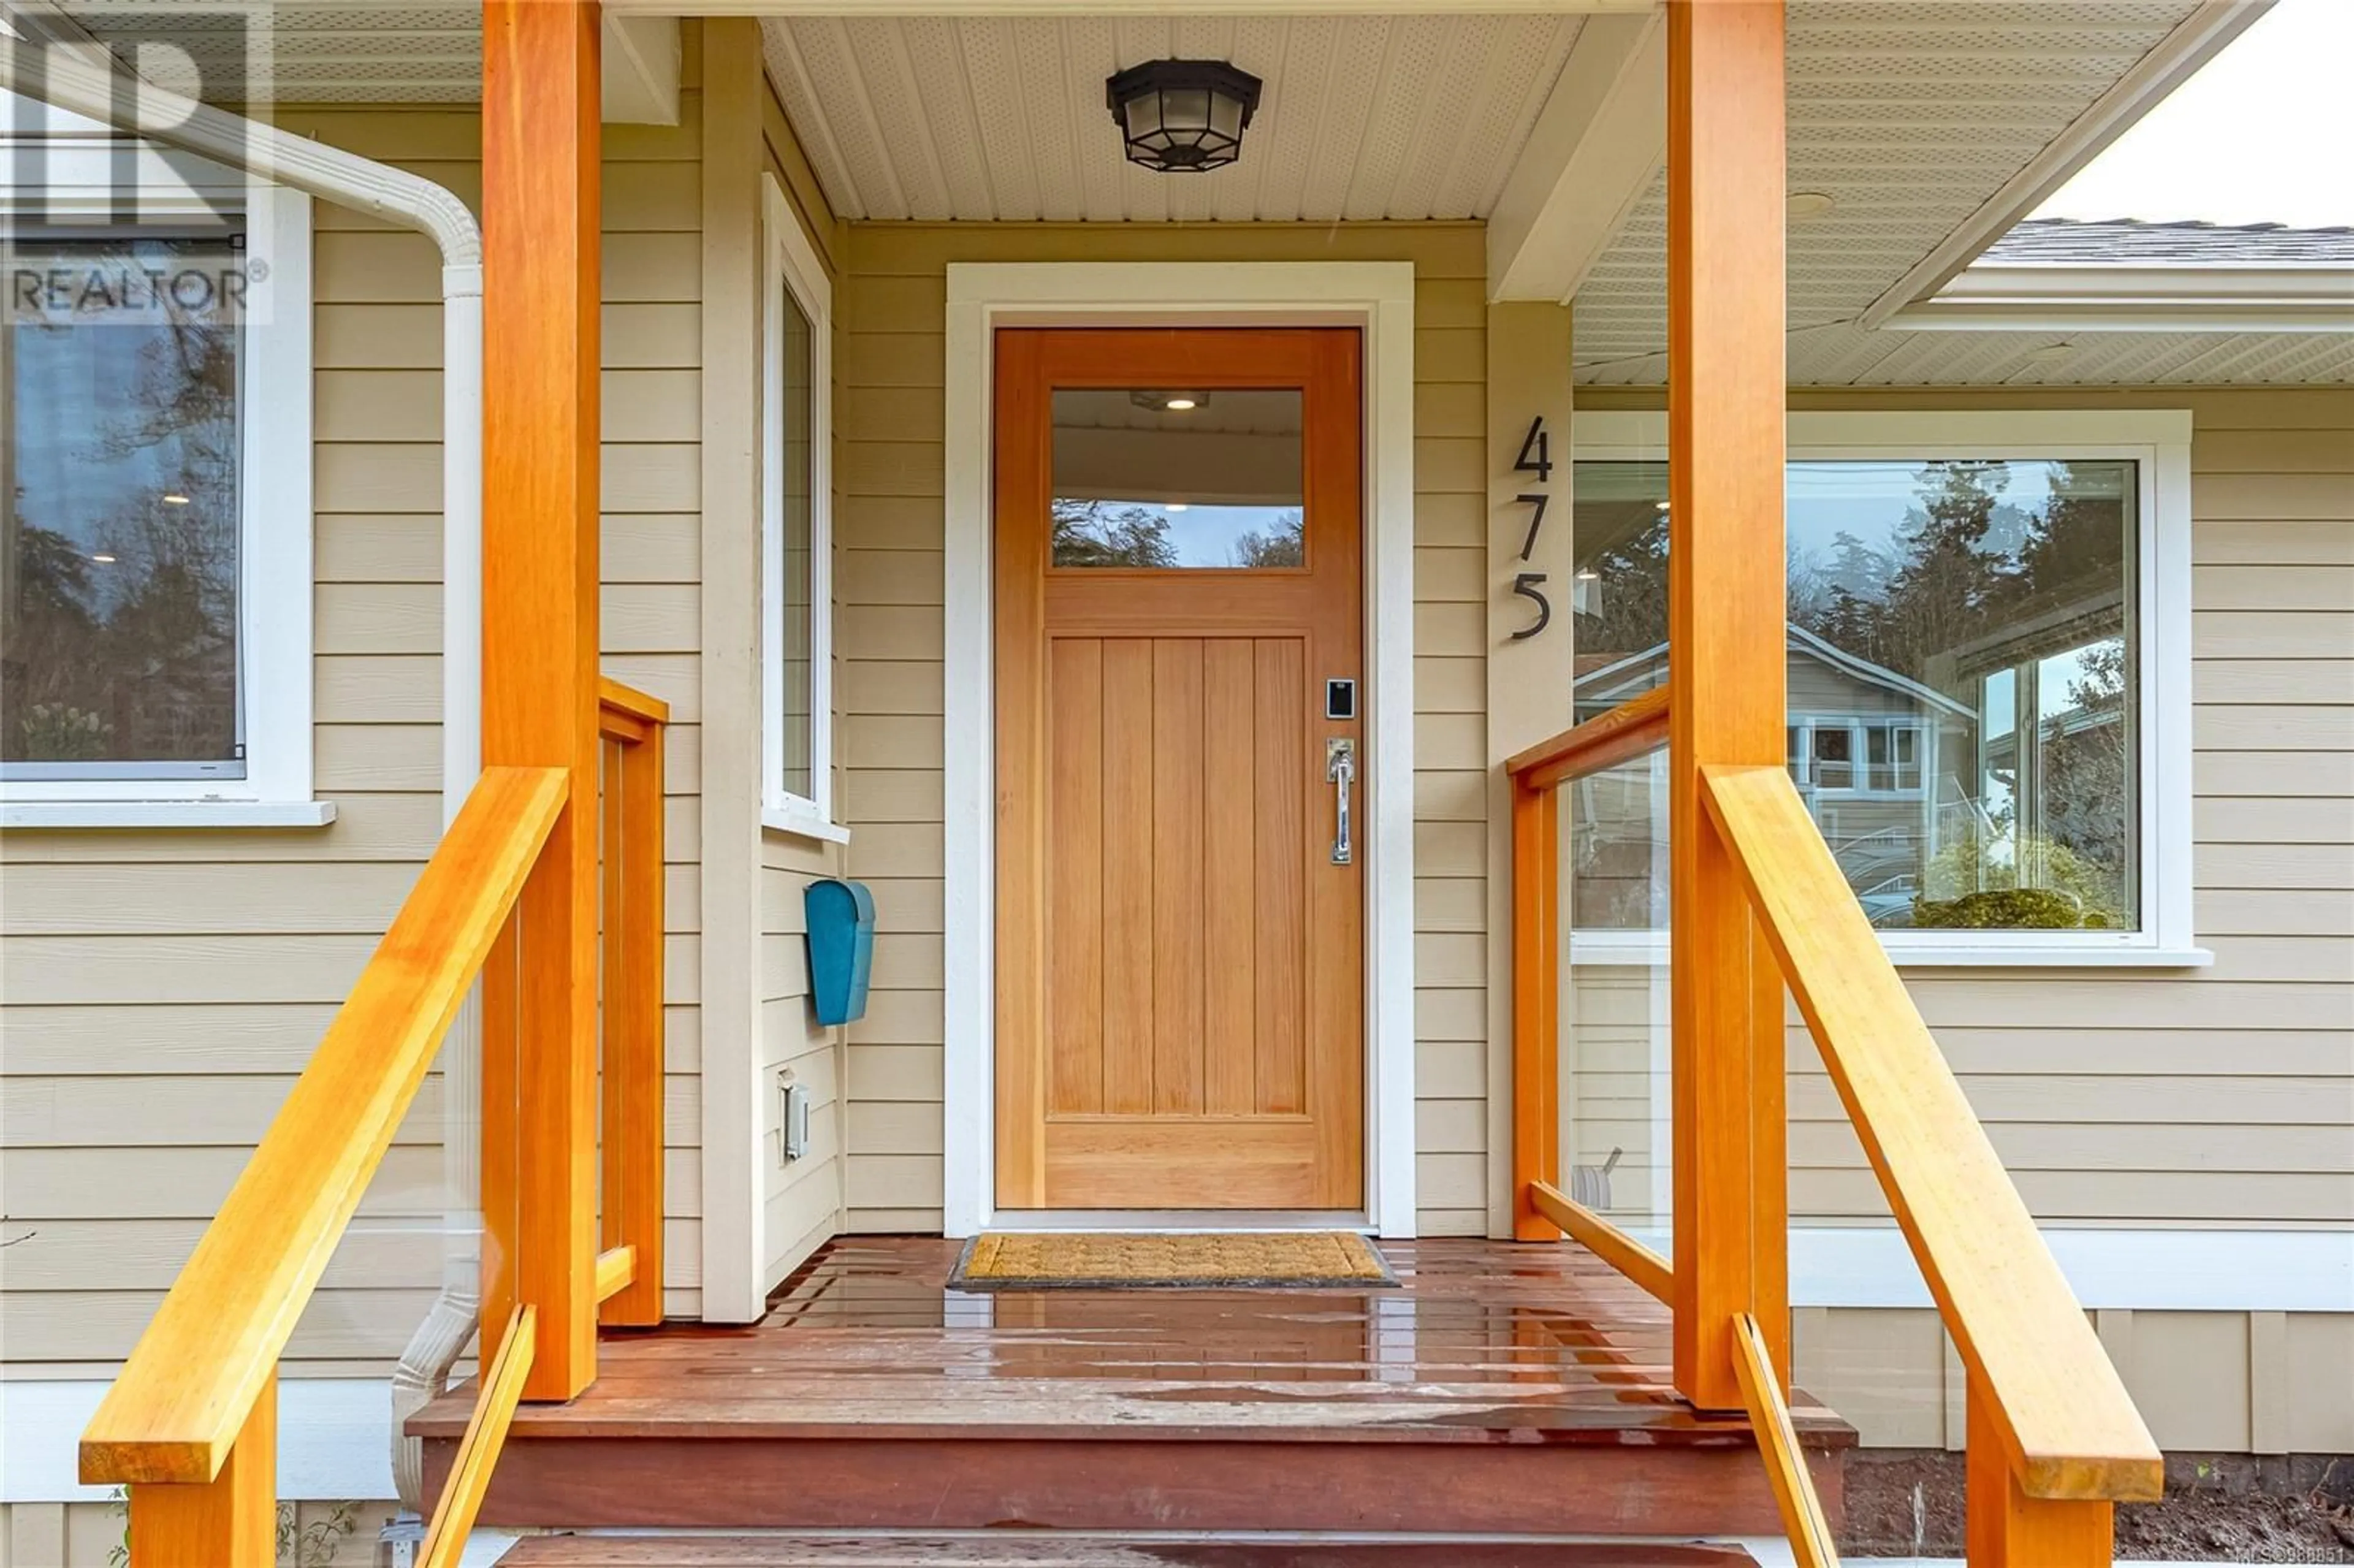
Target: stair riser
[{"x": 783, "y": 1484}]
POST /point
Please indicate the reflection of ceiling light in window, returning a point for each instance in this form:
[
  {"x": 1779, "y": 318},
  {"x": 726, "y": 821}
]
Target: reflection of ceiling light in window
[
  {"x": 1169, "y": 402},
  {"x": 1659, "y": 506},
  {"x": 175, "y": 499},
  {"x": 1178, "y": 405},
  {"x": 1588, "y": 574},
  {"x": 1174, "y": 506},
  {"x": 104, "y": 559}
]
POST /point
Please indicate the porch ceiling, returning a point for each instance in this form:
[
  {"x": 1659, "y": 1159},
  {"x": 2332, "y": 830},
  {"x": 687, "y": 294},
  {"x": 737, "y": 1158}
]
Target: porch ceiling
[
  {"x": 1911, "y": 114},
  {"x": 984, "y": 119}
]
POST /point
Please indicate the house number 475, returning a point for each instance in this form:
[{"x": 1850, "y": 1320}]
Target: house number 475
[{"x": 1536, "y": 458}]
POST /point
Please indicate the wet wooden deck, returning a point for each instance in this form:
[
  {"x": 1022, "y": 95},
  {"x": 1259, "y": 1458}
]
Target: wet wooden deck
[
  {"x": 1049, "y": 1551},
  {"x": 1501, "y": 1387}
]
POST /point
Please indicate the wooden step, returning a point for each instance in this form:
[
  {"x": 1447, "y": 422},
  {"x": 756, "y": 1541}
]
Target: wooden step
[
  {"x": 1063, "y": 1551},
  {"x": 1505, "y": 1389}
]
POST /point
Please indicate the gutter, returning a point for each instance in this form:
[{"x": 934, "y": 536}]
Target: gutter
[
  {"x": 86, "y": 82},
  {"x": 2090, "y": 297}
]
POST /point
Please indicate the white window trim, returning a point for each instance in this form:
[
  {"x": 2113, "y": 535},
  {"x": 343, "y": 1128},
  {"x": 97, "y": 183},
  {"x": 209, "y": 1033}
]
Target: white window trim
[
  {"x": 275, "y": 539},
  {"x": 791, "y": 263},
  {"x": 2158, "y": 443},
  {"x": 1376, "y": 296}
]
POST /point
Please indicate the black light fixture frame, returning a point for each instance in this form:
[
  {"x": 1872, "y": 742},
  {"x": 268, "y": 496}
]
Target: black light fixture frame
[{"x": 1189, "y": 149}]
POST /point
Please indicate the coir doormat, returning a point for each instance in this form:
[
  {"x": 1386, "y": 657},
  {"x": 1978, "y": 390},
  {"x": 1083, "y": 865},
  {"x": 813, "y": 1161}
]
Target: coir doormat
[{"x": 1288, "y": 1260}]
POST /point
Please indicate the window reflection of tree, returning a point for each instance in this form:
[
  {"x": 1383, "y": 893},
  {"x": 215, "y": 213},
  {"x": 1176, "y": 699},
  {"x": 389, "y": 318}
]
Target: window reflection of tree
[
  {"x": 121, "y": 622},
  {"x": 1099, "y": 534},
  {"x": 1282, "y": 545},
  {"x": 1115, "y": 534},
  {"x": 1966, "y": 595}
]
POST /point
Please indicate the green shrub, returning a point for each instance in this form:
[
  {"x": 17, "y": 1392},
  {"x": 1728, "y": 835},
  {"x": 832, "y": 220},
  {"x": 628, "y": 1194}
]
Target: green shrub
[
  {"x": 1985, "y": 882},
  {"x": 2011, "y": 908}
]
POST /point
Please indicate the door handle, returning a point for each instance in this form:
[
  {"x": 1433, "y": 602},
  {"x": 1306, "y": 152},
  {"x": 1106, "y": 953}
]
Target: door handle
[{"x": 1340, "y": 769}]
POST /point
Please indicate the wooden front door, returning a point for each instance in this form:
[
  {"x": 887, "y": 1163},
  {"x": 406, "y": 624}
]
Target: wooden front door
[{"x": 1180, "y": 946}]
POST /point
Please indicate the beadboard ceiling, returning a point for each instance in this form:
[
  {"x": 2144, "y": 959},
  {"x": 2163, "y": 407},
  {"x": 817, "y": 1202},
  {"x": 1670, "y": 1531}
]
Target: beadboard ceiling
[{"x": 1003, "y": 118}]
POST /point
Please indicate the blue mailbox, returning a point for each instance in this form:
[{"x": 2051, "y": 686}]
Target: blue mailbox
[{"x": 841, "y": 947}]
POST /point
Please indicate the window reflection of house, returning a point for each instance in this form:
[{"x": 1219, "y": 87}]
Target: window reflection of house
[
  {"x": 1882, "y": 760},
  {"x": 1961, "y": 678}
]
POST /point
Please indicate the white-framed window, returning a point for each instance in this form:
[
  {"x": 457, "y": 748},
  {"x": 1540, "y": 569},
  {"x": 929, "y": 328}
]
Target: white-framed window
[
  {"x": 155, "y": 544},
  {"x": 1990, "y": 676},
  {"x": 797, "y": 534}
]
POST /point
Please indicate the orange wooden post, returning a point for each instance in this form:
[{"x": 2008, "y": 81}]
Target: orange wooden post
[
  {"x": 230, "y": 1521},
  {"x": 1536, "y": 1005},
  {"x": 2005, "y": 1527},
  {"x": 541, "y": 89},
  {"x": 1726, "y": 608},
  {"x": 633, "y": 1023}
]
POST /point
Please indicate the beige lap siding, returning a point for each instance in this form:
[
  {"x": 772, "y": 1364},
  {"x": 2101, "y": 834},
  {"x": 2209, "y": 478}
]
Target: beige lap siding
[
  {"x": 161, "y": 990},
  {"x": 802, "y": 1201},
  {"x": 889, "y": 368}
]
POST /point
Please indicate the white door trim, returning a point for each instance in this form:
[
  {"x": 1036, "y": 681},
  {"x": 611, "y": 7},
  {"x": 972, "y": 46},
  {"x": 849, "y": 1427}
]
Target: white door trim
[{"x": 1377, "y": 296}]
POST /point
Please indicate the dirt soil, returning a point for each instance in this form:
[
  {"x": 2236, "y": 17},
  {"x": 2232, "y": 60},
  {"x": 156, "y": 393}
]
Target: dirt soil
[
  {"x": 2218, "y": 1509},
  {"x": 2195, "y": 1526}
]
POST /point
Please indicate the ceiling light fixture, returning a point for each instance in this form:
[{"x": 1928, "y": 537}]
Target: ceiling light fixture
[
  {"x": 1182, "y": 117},
  {"x": 1805, "y": 206}
]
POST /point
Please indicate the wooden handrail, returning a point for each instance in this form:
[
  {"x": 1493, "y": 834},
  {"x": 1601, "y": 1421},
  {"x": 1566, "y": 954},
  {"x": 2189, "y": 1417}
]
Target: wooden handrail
[
  {"x": 1803, "y": 1520},
  {"x": 1626, "y": 732},
  {"x": 1605, "y": 1241},
  {"x": 624, "y": 713},
  {"x": 2064, "y": 1422},
  {"x": 212, "y": 1348},
  {"x": 478, "y": 1452}
]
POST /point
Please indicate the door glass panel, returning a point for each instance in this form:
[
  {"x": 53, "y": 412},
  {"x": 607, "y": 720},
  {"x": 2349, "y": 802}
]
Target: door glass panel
[{"x": 1161, "y": 478}]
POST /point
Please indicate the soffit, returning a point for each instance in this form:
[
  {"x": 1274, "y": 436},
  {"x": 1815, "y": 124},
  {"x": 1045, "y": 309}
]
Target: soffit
[
  {"x": 310, "y": 53},
  {"x": 1911, "y": 113},
  {"x": 1003, "y": 119},
  {"x": 1845, "y": 355}
]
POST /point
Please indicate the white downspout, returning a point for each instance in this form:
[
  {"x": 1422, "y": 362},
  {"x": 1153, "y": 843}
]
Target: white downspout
[{"x": 88, "y": 85}]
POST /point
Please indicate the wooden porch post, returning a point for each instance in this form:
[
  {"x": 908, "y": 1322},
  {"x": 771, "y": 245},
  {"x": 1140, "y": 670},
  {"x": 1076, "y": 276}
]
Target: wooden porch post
[
  {"x": 1727, "y": 607},
  {"x": 540, "y": 150}
]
